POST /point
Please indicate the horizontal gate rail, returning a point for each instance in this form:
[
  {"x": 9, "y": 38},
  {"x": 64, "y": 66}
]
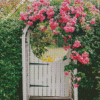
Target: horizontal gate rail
[
  {"x": 38, "y": 86},
  {"x": 39, "y": 64},
  {"x": 50, "y": 97}
]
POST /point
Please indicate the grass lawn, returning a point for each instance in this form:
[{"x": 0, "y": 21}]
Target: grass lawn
[{"x": 58, "y": 53}]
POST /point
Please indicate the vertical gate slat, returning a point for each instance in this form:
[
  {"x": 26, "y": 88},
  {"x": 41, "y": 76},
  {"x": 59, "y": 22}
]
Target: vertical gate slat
[
  {"x": 36, "y": 76},
  {"x": 40, "y": 78},
  {"x": 67, "y": 76},
  {"x": 62, "y": 79},
  {"x": 58, "y": 79},
  {"x": 53, "y": 79},
  {"x": 32, "y": 77},
  {"x": 44, "y": 79},
  {"x": 66, "y": 87},
  {"x": 26, "y": 61},
  {"x": 28, "y": 40},
  {"x": 49, "y": 80},
  {"x": 75, "y": 89}
]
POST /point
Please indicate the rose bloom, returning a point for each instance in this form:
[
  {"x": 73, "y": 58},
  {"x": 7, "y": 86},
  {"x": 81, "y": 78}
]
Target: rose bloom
[
  {"x": 30, "y": 23},
  {"x": 92, "y": 21},
  {"x": 66, "y": 47},
  {"x": 73, "y": 57},
  {"x": 55, "y": 32},
  {"x": 77, "y": 44},
  {"x": 69, "y": 36},
  {"x": 79, "y": 78},
  {"x": 66, "y": 73},
  {"x": 82, "y": 19},
  {"x": 85, "y": 54},
  {"x": 76, "y": 85},
  {"x": 65, "y": 39}
]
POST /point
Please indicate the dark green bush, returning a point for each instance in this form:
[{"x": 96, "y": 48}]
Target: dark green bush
[{"x": 10, "y": 60}]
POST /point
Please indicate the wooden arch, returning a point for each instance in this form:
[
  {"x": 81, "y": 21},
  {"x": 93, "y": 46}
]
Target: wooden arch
[{"x": 27, "y": 71}]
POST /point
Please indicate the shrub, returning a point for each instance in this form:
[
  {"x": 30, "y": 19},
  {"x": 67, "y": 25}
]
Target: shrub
[{"x": 10, "y": 60}]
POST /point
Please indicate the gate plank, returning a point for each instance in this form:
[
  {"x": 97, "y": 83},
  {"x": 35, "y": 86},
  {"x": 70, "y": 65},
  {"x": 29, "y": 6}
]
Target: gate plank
[
  {"x": 40, "y": 78},
  {"x": 32, "y": 73},
  {"x": 44, "y": 79},
  {"x": 36, "y": 76},
  {"x": 62, "y": 79},
  {"x": 49, "y": 80},
  {"x": 58, "y": 79},
  {"x": 66, "y": 87},
  {"x": 67, "y": 78},
  {"x": 53, "y": 79}
]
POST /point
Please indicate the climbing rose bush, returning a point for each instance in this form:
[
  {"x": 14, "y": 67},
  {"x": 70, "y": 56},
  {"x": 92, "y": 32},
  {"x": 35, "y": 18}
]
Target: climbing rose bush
[{"x": 70, "y": 21}]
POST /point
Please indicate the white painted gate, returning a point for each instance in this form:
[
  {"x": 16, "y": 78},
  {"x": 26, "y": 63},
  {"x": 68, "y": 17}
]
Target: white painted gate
[
  {"x": 50, "y": 75},
  {"x": 43, "y": 79}
]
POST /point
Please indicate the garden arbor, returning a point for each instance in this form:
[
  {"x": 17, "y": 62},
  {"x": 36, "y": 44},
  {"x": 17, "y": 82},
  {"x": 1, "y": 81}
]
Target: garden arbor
[{"x": 44, "y": 80}]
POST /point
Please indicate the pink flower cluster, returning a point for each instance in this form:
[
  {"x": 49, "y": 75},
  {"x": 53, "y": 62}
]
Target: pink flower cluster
[
  {"x": 81, "y": 58},
  {"x": 65, "y": 6},
  {"x": 78, "y": 78},
  {"x": 56, "y": 32},
  {"x": 40, "y": 2},
  {"x": 38, "y": 14},
  {"x": 65, "y": 15},
  {"x": 73, "y": 20},
  {"x": 92, "y": 8},
  {"x": 43, "y": 28},
  {"x": 30, "y": 23},
  {"x": 92, "y": 21},
  {"x": 23, "y": 16},
  {"x": 87, "y": 27},
  {"x": 66, "y": 73},
  {"x": 66, "y": 47},
  {"x": 50, "y": 12},
  {"x": 65, "y": 39},
  {"x": 45, "y": 2},
  {"x": 69, "y": 36},
  {"x": 82, "y": 20},
  {"x": 54, "y": 40},
  {"x": 52, "y": 24},
  {"x": 78, "y": 1},
  {"x": 76, "y": 85},
  {"x": 68, "y": 28},
  {"x": 76, "y": 44}
]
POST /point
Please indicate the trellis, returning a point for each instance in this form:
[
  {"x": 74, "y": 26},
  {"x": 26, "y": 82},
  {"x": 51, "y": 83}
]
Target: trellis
[{"x": 58, "y": 86}]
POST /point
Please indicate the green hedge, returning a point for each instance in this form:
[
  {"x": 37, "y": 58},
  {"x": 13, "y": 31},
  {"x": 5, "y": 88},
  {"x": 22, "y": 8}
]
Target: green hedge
[{"x": 10, "y": 60}]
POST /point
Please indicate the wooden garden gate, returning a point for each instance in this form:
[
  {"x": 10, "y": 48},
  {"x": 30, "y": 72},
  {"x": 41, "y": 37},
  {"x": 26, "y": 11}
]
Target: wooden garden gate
[{"x": 44, "y": 80}]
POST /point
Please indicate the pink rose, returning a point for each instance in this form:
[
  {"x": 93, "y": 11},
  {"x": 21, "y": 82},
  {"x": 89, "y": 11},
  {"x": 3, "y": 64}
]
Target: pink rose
[
  {"x": 65, "y": 39},
  {"x": 30, "y": 23},
  {"x": 84, "y": 14},
  {"x": 43, "y": 28},
  {"x": 66, "y": 47},
  {"x": 66, "y": 73},
  {"x": 55, "y": 32},
  {"x": 25, "y": 23},
  {"x": 92, "y": 21},
  {"x": 52, "y": 24},
  {"x": 76, "y": 44},
  {"x": 85, "y": 54},
  {"x": 73, "y": 57},
  {"x": 69, "y": 36},
  {"x": 76, "y": 85},
  {"x": 82, "y": 19},
  {"x": 79, "y": 78}
]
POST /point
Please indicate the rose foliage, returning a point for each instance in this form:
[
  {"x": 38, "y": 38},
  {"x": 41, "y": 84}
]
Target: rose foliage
[{"x": 78, "y": 24}]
